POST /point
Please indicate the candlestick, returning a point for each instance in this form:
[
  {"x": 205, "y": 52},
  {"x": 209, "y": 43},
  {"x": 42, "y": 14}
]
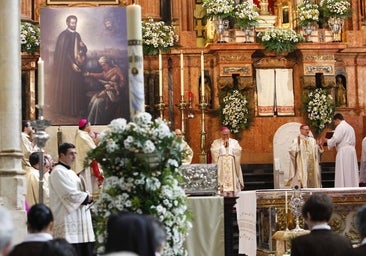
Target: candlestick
[
  {"x": 181, "y": 74},
  {"x": 135, "y": 57},
  {"x": 202, "y": 75},
  {"x": 160, "y": 74},
  {"x": 40, "y": 83}
]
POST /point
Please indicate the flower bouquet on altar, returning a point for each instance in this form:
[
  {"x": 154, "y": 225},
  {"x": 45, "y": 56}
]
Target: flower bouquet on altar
[
  {"x": 234, "y": 111},
  {"x": 320, "y": 108},
  {"x": 308, "y": 17},
  {"x": 156, "y": 35},
  {"x": 140, "y": 161},
  {"x": 279, "y": 40},
  {"x": 29, "y": 37},
  {"x": 308, "y": 13},
  {"x": 336, "y": 8},
  {"x": 219, "y": 8},
  {"x": 246, "y": 15}
]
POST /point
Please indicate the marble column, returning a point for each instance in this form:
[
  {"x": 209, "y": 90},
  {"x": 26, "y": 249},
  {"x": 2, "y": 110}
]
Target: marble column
[{"x": 12, "y": 180}]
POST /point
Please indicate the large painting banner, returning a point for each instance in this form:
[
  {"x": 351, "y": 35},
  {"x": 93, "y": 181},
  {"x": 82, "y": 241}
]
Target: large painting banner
[{"x": 86, "y": 64}]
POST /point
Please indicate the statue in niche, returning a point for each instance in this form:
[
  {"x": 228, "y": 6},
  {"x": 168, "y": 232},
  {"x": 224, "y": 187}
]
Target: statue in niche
[
  {"x": 208, "y": 89},
  {"x": 341, "y": 91}
]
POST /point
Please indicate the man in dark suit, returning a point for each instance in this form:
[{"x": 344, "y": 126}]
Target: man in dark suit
[
  {"x": 321, "y": 241},
  {"x": 361, "y": 226}
]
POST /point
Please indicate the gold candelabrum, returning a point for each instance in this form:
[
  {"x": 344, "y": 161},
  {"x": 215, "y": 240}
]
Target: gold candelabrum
[
  {"x": 182, "y": 107},
  {"x": 203, "y": 155},
  {"x": 161, "y": 106},
  {"x": 41, "y": 137}
]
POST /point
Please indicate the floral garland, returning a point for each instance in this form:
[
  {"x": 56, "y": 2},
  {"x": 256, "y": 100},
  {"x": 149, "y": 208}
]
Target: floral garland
[
  {"x": 219, "y": 8},
  {"x": 246, "y": 14},
  {"x": 279, "y": 39},
  {"x": 307, "y": 13},
  {"x": 320, "y": 108},
  {"x": 140, "y": 160},
  {"x": 29, "y": 37},
  {"x": 234, "y": 111},
  {"x": 156, "y": 35},
  {"x": 336, "y": 8}
]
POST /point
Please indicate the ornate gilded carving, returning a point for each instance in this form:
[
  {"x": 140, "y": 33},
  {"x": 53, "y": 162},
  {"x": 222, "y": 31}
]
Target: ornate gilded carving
[
  {"x": 245, "y": 70},
  {"x": 315, "y": 57},
  {"x": 327, "y": 69},
  {"x": 245, "y": 83},
  {"x": 274, "y": 62},
  {"x": 239, "y": 57},
  {"x": 224, "y": 82}
]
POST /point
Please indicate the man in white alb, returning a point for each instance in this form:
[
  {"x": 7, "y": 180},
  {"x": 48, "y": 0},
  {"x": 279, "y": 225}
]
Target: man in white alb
[{"x": 344, "y": 140}]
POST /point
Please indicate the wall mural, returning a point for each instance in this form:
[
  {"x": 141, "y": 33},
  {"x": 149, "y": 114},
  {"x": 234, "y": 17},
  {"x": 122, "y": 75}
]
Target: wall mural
[{"x": 86, "y": 64}]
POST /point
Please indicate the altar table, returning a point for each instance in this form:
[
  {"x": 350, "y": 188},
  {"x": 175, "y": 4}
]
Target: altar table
[
  {"x": 271, "y": 214},
  {"x": 207, "y": 237}
]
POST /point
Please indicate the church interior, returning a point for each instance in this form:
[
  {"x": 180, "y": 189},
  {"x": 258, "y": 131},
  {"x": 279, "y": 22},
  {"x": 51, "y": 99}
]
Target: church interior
[{"x": 240, "y": 63}]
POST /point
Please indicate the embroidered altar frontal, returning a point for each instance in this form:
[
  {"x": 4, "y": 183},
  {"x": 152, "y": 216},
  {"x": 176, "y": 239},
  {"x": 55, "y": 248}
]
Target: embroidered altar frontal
[{"x": 200, "y": 179}]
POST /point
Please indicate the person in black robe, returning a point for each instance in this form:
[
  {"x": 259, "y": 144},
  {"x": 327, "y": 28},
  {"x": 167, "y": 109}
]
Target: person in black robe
[{"x": 69, "y": 58}]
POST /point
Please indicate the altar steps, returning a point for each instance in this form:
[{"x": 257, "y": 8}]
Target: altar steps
[{"x": 260, "y": 176}]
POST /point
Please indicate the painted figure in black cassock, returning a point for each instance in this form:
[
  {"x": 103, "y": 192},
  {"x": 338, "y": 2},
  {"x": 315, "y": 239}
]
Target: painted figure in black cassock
[{"x": 70, "y": 56}]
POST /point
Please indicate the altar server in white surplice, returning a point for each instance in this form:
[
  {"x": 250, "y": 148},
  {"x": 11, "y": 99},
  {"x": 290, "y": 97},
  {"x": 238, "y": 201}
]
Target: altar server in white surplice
[
  {"x": 226, "y": 152},
  {"x": 346, "y": 166},
  {"x": 70, "y": 203}
]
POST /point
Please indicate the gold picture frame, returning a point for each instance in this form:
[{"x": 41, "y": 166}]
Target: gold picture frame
[
  {"x": 284, "y": 13},
  {"x": 76, "y": 2}
]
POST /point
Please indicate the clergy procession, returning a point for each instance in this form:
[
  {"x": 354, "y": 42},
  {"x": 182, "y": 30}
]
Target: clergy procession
[{"x": 187, "y": 127}]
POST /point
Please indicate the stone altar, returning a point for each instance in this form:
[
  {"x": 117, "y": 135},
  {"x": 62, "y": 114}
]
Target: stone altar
[{"x": 271, "y": 214}]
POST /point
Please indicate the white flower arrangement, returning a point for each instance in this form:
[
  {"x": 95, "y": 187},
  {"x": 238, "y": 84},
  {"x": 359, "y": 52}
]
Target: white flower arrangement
[
  {"x": 235, "y": 111},
  {"x": 219, "y": 8},
  {"x": 308, "y": 12},
  {"x": 246, "y": 14},
  {"x": 279, "y": 39},
  {"x": 336, "y": 8},
  {"x": 140, "y": 161},
  {"x": 29, "y": 37},
  {"x": 320, "y": 108},
  {"x": 156, "y": 35}
]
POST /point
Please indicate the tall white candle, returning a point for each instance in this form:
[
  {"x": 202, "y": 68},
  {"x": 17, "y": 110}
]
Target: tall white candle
[
  {"x": 135, "y": 59},
  {"x": 160, "y": 74},
  {"x": 202, "y": 75},
  {"x": 181, "y": 74},
  {"x": 286, "y": 209},
  {"x": 40, "y": 82}
]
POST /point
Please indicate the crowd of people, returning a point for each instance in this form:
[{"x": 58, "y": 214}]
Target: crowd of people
[{"x": 70, "y": 186}]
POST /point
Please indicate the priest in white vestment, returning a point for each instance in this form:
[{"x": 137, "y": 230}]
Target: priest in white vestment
[
  {"x": 305, "y": 156},
  {"x": 187, "y": 150},
  {"x": 344, "y": 140},
  {"x": 70, "y": 203},
  {"x": 86, "y": 140},
  {"x": 226, "y": 152},
  {"x": 32, "y": 177}
]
